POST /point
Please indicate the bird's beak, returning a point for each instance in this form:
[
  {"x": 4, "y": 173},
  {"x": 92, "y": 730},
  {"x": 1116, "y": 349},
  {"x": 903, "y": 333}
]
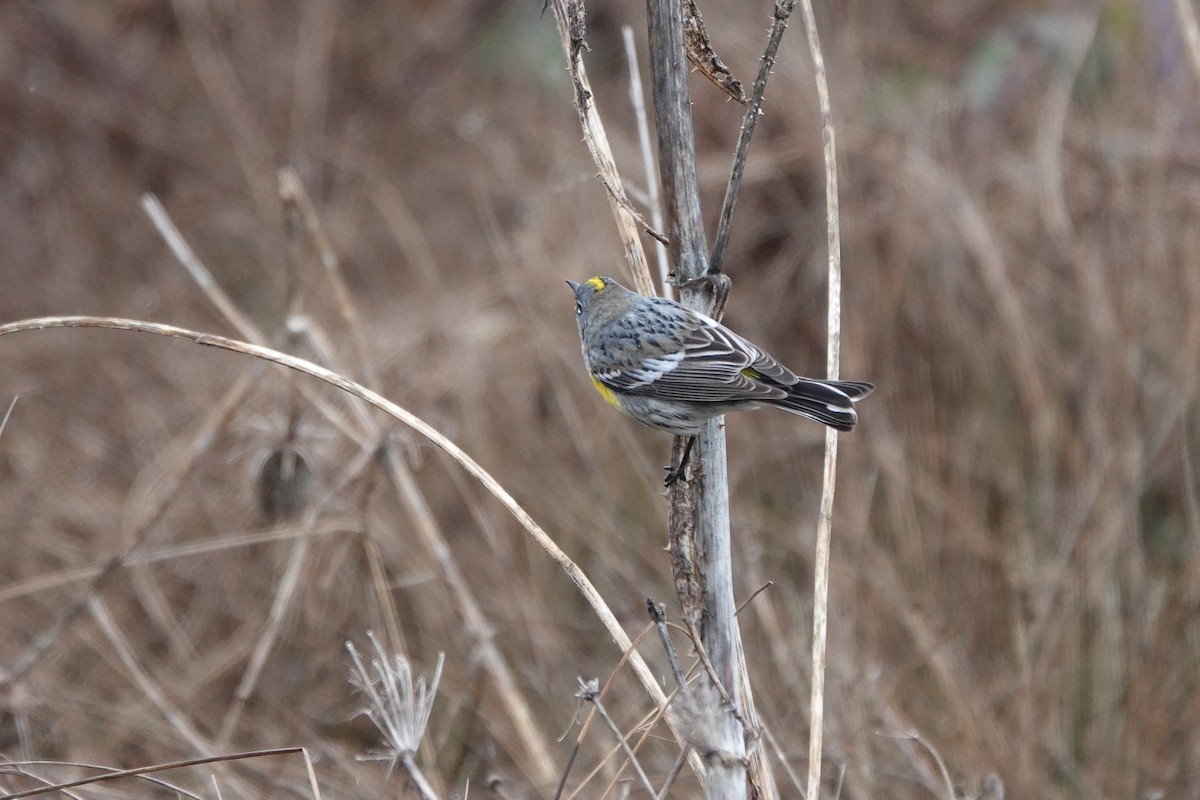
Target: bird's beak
[{"x": 574, "y": 286}]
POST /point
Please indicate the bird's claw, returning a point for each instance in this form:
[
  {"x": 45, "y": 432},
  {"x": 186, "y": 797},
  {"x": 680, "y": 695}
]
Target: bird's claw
[{"x": 673, "y": 475}]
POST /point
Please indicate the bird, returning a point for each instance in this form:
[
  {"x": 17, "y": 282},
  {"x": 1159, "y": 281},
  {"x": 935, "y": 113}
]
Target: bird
[{"x": 673, "y": 368}]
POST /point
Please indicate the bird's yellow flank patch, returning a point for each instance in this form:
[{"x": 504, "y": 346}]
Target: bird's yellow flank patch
[
  {"x": 596, "y": 283},
  {"x": 751, "y": 373},
  {"x": 608, "y": 394}
]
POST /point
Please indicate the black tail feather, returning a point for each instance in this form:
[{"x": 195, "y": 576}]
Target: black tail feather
[{"x": 828, "y": 402}]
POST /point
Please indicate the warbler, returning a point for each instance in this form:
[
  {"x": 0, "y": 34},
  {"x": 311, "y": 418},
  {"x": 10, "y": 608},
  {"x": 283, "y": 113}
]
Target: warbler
[{"x": 673, "y": 368}]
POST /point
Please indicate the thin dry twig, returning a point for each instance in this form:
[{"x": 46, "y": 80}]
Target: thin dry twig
[
  {"x": 644, "y": 724},
  {"x": 673, "y": 774},
  {"x": 1081, "y": 31},
  {"x": 590, "y": 691},
  {"x": 289, "y": 583},
  {"x": 297, "y": 202},
  {"x": 783, "y": 10},
  {"x": 702, "y": 654},
  {"x": 833, "y": 366},
  {"x": 587, "y": 722},
  {"x": 406, "y": 486},
  {"x": 275, "y": 533},
  {"x": 199, "y": 273},
  {"x": 637, "y": 98},
  {"x": 191, "y": 762},
  {"x": 568, "y": 14},
  {"x": 1191, "y": 32},
  {"x": 22, "y": 768},
  {"x": 753, "y": 595},
  {"x": 7, "y": 414},
  {"x": 783, "y": 760},
  {"x": 140, "y": 678},
  {"x": 913, "y": 736},
  {"x": 658, "y": 615},
  {"x": 140, "y": 518},
  {"x": 572, "y": 570},
  {"x": 759, "y": 772}
]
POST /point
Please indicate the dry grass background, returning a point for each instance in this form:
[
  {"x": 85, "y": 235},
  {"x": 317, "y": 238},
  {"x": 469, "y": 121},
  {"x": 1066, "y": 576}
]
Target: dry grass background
[{"x": 1016, "y": 558}]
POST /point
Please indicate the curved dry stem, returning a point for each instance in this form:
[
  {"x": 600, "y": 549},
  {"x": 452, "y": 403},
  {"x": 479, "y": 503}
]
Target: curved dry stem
[
  {"x": 573, "y": 572},
  {"x": 943, "y": 772},
  {"x": 1080, "y": 35}
]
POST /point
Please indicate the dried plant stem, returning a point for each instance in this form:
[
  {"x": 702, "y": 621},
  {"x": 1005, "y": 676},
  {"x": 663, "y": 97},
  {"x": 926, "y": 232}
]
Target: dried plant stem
[
  {"x": 943, "y": 772},
  {"x": 1191, "y": 32},
  {"x": 783, "y": 10},
  {"x": 658, "y": 615},
  {"x": 699, "y": 506},
  {"x": 590, "y": 691},
  {"x": 1081, "y": 32},
  {"x": 12, "y": 768},
  {"x": 275, "y": 533},
  {"x": 140, "y": 517},
  {"x": 833, "y": 366},
  {"x": 673, "y": 775},
  {"x": 284, "y": 594},
  {"x": 419, "y": 781},
  {"x": 296, "y": 201},
  {"x": 138, "y": 676},
  {"x": 7, "y": 414},
  {"x": 474, "y": 620},
  {"x": 645, "y": 724},
  {"x": 198, "y": 272},
  {"x": 637, "y": 97},
  {"x": 232, "y": 103},
  {"x": 408, "y": 490},
  {"x": 570, "y": 22},
  {"x": 572, "y": 570},
  {"x": 191, "y": 762}
]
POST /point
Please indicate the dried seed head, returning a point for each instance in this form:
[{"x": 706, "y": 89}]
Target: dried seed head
[{"x": 284, "y": 482}]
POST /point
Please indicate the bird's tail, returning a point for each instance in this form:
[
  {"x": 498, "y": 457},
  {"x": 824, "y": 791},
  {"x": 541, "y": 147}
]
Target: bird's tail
[{"x": 828, "y": 402}]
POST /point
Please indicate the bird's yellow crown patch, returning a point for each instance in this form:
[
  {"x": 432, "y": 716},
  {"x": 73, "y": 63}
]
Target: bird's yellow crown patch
[{"x": 596, "y": 283}]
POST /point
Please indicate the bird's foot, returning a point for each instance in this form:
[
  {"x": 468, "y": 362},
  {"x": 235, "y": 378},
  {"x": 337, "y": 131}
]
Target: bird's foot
[{"x": 674, "y": 473}]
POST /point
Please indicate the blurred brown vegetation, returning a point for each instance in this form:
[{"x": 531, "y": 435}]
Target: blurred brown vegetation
[{"x": 1017, "y": 537}]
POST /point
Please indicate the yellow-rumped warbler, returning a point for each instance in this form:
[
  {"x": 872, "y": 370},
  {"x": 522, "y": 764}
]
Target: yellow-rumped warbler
[{"x": 673, "y": 368}]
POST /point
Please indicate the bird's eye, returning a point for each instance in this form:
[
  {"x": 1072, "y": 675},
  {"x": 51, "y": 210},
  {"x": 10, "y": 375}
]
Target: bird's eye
[{"x": 579, "y": 309}]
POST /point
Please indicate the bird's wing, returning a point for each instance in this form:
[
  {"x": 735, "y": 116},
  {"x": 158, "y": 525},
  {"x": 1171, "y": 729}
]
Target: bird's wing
[{"x": 701, "y": 361}]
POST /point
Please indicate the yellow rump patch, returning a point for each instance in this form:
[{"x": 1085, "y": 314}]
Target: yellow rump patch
[
  {"x": 608, "y": 394},
  {"x": 752, "y": 374},
  {"x": 596, "y": 283}
]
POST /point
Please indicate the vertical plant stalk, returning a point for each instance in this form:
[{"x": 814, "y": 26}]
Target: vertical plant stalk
[
  {"x": 637, "y": 99},
  {"x": 1190, "y": 30},
  {"x": 568, "y": 16},
  {"x": 783, "y": 10},
  {"x": 699, "y": 505},
  {"x": 833, "y": 367}
]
